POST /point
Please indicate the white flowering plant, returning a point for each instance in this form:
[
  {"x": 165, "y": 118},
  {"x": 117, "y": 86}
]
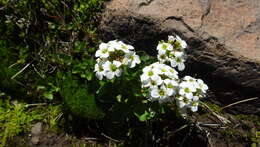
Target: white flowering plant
[
  {"x": 146, "y": 89},
  {"x": 173, "y": 52},
  {"x": 112, "y": 56}
]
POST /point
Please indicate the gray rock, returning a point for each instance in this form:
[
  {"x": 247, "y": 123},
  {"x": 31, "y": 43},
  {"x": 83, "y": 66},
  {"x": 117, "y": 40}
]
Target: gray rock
[
  {"x": 223, "y": 38},
  {"x": 35, "y": 140},
  {"x": 36, "y": 132},
  {"x": 37, "y": 129}
]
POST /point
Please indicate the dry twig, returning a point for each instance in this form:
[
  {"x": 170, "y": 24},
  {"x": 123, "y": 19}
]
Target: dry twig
[{"x": 242, "y": 101}]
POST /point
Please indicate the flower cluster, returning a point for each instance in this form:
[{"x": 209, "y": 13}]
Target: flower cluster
[
  {"x": 190, "y": 91},
  {"x": 172, "y": 51},
  {"x": 165, "y": 86},
  {"x": 112, "y": 56},
  {"x": 159, "y": 81}
]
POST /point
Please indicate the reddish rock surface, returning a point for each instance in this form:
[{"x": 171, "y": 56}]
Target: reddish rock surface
[{"x": 223, "y": 38}]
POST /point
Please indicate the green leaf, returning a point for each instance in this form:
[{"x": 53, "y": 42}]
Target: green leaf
[
  {"x": 79, "y": 45},
  {"x": 89, "y": 76},
  {"x": 48, "y": 95},
  {"x": 143, "y": 117}
]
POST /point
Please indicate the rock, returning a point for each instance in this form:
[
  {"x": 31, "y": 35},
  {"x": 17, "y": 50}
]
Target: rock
[
  {"x": 223, "y": 38},
  {"x": 36, "y": 132},
  {"x": 35, "y": 140},
  {"x": 37, "y": 129}
]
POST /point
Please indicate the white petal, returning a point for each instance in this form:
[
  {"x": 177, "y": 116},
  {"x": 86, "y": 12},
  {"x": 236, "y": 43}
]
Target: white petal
[
  {"x": 194, "y": 108},
  {"x": 181, "y": 66},
  {"x": 104, "y": 55},
  {"x": 103, "y": 46},
  {"x": 146, "y": 69},
  {"x": 169, "y": 92},
  {"x": 137, "y": 59},
  {"x": 96, "y": 67},
  {"x": 195, "y": 98},
  {"x": 187, "y": 78},
  {"x": 178, "y": 54},
  {"x": 167, "y": 81},
  {"x": 171, "y": 38},
  {"x": 173, "y": 63},
  {"x": 174, "y": 83},
  {"x": 118, "y": 72},
  {"x": 155, "y": 93},
  {"x": 161, "y": 51},
  {"x": 106, "y": 65},
  {"x": 117, "y": 63},
  {"x": 183, "y": 44},
  {"x": 125, "y": 61},
  {"x": 98, "y": 53},
  {"x": 155, "y": 77},
  {"x": 189, "y": 95},
  {"x": 205, "y": 87},
  {"x": 99, "y": 75},
  {"x": 111, "y": 49},
  {"x": 130, "y": 47},
  {"x": 144, "y": 77},
  {"x": 181, "y": 103},
  {"x": 132, "y": 64},
  {"x": 110, "y": 75},
  {"x": 181, "y": 92}
]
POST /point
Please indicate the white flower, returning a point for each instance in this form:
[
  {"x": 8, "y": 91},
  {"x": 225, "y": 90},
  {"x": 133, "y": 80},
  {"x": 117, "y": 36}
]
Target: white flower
[
  {"x": 202, "y": 86},
  {"x": 183, "y": 102},
  {"x": 182, "y": 42},
  {"x": 126, "y": 47},
  {"x": 119, "y": 45},
  {"x": 100, "y": 72},
  {"x": 164, "y": 69},
  {"x": 170, "y": 86},
  {"x": 171, "y": 38},
  {"x": 154, "y": 82},
  {"x": 172, "y": 73},
  {"x": 160, "y": 93},
  {"x": 194, "y": 104},
  {"x": 179, "y": 62},
  {"x": 103, "y": 53},
  {"x": 163, "y": 47},
  {"x": 162, "y": 58},
  {"x": 114, "y": 44},
  {"x": 150, "y": 73},
  {"x": 187, "y": 89},
  {"x": 133, "y": 59},
  {"x": 178, "y": 54},
  {"x": 112, "y": 69},
  {"x": 112, "y": 56},
  {"x": 189, "y": 79}
]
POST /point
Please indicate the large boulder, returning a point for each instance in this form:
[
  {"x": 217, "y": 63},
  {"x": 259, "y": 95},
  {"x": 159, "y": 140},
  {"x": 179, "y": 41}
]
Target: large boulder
[{"x": 223, "y": 38}]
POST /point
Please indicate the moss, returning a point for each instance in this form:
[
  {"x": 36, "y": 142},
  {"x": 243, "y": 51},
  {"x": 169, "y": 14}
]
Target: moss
[
  {"x": 17, "y": 118},
  {"x": 214, "y": 107},
  {"x": 246, "y": 132},
  {"x": 252, "y": 118},
  {"x": 230, "y": 133},
  {"x": 79, "y": 100}
]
